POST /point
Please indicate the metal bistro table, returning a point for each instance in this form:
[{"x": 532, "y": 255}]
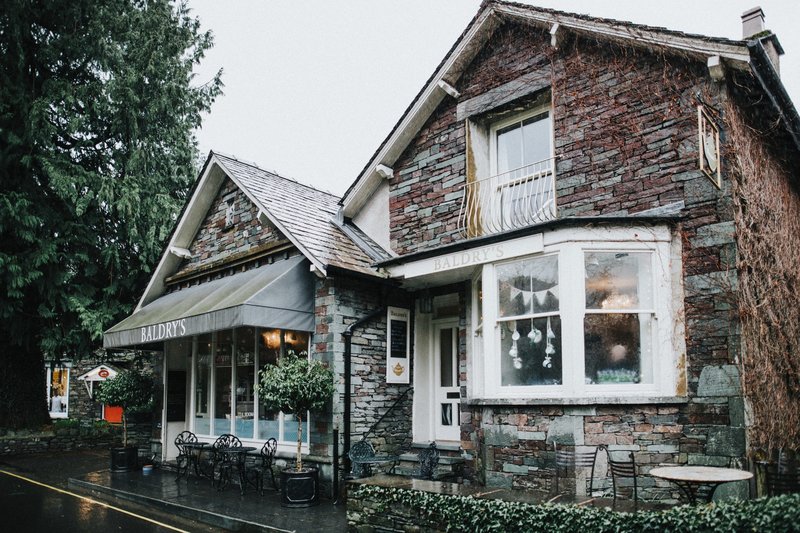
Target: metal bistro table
[
  {"x": 691, "y": 479},
  {"x": 195, "y": 452},
  {"x": 233, "y": 458}
]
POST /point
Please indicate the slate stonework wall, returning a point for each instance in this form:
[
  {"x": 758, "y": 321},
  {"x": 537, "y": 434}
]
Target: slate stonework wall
[
  {"x": 625, "y": 136},
  {"x": 340, "y": 301},
  {"x": 214, "y": 243}
]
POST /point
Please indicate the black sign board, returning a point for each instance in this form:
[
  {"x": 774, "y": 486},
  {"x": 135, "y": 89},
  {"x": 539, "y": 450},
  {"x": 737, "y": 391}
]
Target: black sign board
[{"x": 399, "y": 339}]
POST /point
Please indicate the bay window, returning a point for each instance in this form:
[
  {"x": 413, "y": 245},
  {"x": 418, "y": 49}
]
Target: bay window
[{"x": 584, "y": 318}]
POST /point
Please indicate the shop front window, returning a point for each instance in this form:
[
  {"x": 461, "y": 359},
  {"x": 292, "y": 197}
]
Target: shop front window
[
  {"x": 58, "y": 390},
  {"x": 226, "y": 382}
]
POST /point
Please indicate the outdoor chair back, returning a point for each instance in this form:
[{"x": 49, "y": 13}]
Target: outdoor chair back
[
  {"x": 183, "y": 459},
  {"x": 567, "y": 458},
  {"x": 361, "y": 455},
  {"x": 428, "y": 461},
  {"x": 622, "y": 470},
  {"x": 267, "y": 457}
]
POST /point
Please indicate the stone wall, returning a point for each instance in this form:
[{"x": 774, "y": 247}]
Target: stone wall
[
  {"x": 65, "y": 435},
  {"x": 340, "y": 301},
  {"x": 215, "y": 243},
  {"x": 625, "y": 137}
]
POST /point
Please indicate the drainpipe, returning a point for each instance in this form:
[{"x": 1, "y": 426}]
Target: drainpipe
[{"x": 348, "y": 337}]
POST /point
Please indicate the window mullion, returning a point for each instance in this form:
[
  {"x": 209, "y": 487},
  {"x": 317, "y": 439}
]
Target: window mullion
[{"x": 572, "y": 309}]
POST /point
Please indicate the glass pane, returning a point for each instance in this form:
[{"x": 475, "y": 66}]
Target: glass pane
[
  {"x": 245, "y": 381},
  {"x": 202, "y": 423},
  {"x": 447, "y": 414},
  {"x": 296, "y": 341},
  {"x": 614, "y": 350},
  {"x": 536, "y": 141},
  {"x": 446, "y": 366},
  {"x": 269, "y": 347},
  {"x": 509, "y": 148},
  {"x": 222, "y": 385},
  {"x": 618, "y": 280},
  {"x": 530, "y": 351},
  {"x": 528, "y": 287},
  {"x": 59, "y": 390},
  {"x": 290, "y": 428}
]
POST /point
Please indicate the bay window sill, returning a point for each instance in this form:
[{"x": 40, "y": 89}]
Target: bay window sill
[{"x": 589, "y": 400}]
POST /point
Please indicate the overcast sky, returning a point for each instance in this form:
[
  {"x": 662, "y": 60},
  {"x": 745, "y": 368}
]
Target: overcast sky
[{"x": 312, "y": 87}]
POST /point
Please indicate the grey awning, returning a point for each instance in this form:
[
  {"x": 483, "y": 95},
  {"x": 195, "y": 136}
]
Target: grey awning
[{"x": 280, "y": 295}]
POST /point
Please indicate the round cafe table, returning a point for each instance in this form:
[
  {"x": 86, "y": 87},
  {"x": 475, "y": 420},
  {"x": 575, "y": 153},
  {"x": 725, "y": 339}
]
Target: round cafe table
[{"x": 690, "y": 479}]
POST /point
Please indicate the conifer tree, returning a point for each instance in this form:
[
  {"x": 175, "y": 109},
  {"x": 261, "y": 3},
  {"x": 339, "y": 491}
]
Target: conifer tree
[{"x": 98, "y": 106}]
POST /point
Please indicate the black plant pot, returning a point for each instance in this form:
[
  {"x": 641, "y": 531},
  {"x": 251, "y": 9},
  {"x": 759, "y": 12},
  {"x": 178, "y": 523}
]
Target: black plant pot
[
  {"x": 124, "y": 459},
  {"x": 300, "y": 489}
]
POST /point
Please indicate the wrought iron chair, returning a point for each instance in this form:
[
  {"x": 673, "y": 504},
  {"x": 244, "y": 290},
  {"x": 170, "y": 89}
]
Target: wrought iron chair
[
  {"x": 572, "y": 458},
  {"x": 184, "y": 459},
  {"x": 621, "y": 470},
  {"x": 223, "y": 464},
  {"x": 782, "y": 478},
  {"x": 362, "y": 457},
  {"x": 264, "y": 466},
  {"x": 428, "y": 461}
]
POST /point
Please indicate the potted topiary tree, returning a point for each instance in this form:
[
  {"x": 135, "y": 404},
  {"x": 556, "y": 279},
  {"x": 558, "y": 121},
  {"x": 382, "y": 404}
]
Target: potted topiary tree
[
  {"x": 296, "y": 385},
  {"x": 133, "y": 390}
]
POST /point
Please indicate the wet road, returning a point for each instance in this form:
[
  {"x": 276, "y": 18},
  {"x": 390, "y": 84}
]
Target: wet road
[{"x": 29, "y": 506}]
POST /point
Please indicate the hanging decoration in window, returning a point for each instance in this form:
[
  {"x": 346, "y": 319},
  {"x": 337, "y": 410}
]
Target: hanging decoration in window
[{"x": 708, "y": 146}]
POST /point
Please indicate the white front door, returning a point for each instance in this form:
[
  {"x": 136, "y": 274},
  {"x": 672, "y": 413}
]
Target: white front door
[{"x": 446, "y": 406}]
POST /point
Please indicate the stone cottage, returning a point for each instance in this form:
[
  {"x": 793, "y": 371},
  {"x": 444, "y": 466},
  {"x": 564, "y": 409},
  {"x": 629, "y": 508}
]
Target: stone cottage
[{"x": 565, "y": 238}]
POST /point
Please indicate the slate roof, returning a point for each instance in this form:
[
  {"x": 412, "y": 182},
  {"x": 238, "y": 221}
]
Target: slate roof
[{"x": 302, "y": 212}]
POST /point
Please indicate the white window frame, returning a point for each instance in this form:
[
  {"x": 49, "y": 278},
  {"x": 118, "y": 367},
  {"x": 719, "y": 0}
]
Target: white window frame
[
  {"x": 285, "y": 442},
  {"x": 48, "y": 385},
  {"x": 503, "y": 186},
  {"x": 668, "y": 343}
]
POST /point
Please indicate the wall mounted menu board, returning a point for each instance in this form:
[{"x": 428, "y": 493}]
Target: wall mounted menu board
[{"x": 397, "y": 345}]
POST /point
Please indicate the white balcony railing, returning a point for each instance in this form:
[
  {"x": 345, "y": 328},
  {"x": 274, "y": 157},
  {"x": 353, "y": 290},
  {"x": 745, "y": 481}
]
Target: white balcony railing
[{"x": 510, "y": 200}]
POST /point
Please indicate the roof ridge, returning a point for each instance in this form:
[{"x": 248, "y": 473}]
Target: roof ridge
[{"x": 273, "y": 173}]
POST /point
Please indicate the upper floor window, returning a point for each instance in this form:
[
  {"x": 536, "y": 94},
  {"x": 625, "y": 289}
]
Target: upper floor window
[
  {"x": 516, "y": 188},
  {"x": 584, "y": 318}
]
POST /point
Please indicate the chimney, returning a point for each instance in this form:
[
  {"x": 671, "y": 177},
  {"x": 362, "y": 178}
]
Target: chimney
[
  {"x": 753, "y": 28},
  {"x": 752, "y": 22}
]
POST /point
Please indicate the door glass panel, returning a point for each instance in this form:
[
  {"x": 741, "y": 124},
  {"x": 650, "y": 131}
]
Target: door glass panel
[
  {"x": 446, "y": 365},
  {"x": 536, "y": 140},
  {"x": 222, "y": 389},
  {"x": 202, "y": 423},
  {"x": 509, "y": 148},
  {"x": 447, "y": 414}
]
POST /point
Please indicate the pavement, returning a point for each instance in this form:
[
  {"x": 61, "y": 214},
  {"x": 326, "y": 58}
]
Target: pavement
[{"x": 198, "y": 505}]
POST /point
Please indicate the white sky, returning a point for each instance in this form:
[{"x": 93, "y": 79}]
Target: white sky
[{"x": 312, "y": 87}]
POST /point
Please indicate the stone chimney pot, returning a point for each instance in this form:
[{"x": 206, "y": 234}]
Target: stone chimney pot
[{"x": 752, "y": 22}]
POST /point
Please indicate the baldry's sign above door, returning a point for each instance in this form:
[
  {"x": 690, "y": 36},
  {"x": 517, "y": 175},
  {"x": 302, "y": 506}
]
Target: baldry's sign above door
[
  {"x": 163, "y": 331},
  {"x": 472, "y": 257}
]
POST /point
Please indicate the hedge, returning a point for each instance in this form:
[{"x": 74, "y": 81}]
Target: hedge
[{"x": 464, "y": 513}]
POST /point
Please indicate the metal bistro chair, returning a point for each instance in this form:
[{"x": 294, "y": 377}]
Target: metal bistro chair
[
  {"x": 621, "y": 470},
  {"x": 566, "y": 459},
  {"x": 428, "y": 461},
  {"x": 264, "y": 467},
  {"x": 222, "y": 463},
  {"x": 184, "y": 459},
  {"x": 782, "y": 478},
  {"x": 362, "y": 457}
]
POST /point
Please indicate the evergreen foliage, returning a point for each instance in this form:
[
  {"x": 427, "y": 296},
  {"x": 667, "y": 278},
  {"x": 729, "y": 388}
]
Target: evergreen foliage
[
  {"x": 296, "y": 385},
  {"x": 133, "y": 390},
  {"x": 97, "y": 111},
  {"x": 427, "y": 511}
]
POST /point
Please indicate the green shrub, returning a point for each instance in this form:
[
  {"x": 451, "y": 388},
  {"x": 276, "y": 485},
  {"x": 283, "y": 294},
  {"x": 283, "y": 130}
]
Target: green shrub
[
  {"x": 66, "y": 423},
  {"x": 464, "y": 513}
]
